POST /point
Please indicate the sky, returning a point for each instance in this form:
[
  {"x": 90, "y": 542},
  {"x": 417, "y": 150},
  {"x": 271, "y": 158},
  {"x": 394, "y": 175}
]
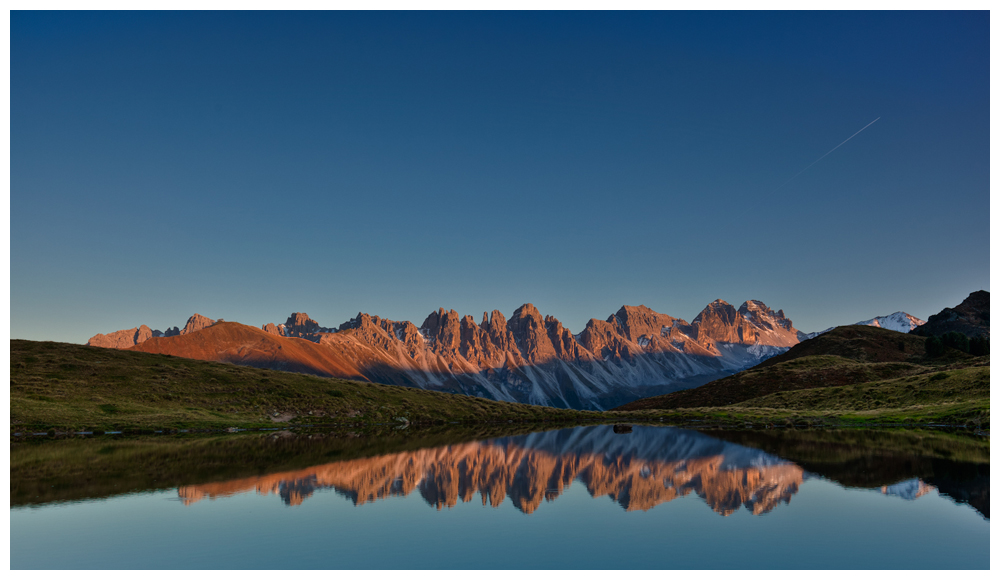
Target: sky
[{"x": 250, "y": 165}]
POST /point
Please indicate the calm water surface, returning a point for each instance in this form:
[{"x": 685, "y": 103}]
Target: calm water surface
[{"x": 585, "y": 498}]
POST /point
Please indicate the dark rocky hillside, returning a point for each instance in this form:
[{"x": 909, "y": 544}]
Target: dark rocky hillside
[{"x": 971, "y": 318}]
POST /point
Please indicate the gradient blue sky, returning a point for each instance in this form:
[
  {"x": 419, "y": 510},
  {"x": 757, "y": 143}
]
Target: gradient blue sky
[{"x": 248, "y": 165}]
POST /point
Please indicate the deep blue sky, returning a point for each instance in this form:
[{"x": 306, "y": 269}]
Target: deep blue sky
[{"x": 247, "y": 165}]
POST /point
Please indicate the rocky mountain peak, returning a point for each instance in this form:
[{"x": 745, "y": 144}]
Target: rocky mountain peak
[
  {"x": 132, "y": 336},
  {"x": 352, "y": 323},
  {"x": 898, "y": 321},
  {"x": 527, "y": 310},
  {"x": 760, "y": 315},
  {"x": 495, "y": 320},
  {"x": 717, "y": 312},
  {"x": 604, "y": 339},
  {"x": 641, "y": 321},
  {"x": 196, "y": 323},
  {"x": 753, "y": 323},
  {"x": 530, "y": 335},
  {"x": 443, "y": 327},
  {"x": 271, "y": 328},
  {"x": 300, "y": 323},
  {"x": 142, "y": 334},
  {"x": 497, "y": 332},
  {"x": 121, "y": 338}
]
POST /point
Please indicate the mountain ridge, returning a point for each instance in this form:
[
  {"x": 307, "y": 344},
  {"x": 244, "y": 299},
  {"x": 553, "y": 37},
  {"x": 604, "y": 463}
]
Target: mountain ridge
[{"x": 527, "y": 358}]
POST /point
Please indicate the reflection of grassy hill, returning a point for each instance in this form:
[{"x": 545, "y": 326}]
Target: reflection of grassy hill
[
  {"x": 958, "y": 465},
  {"x": 45, "y": 470},
  {"x": 852, "y": 373},
  {"x": 820, "y": 450},
  {"x": 68, "y": 386}
]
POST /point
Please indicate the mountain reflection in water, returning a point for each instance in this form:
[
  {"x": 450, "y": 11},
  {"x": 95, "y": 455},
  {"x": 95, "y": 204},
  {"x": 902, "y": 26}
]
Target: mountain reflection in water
[
  {"x": 875, "y": 499},
  {"x": 639, "y": 470}
]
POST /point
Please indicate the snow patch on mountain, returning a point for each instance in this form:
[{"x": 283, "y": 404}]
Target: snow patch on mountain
[{"x": 897, "y": 321}]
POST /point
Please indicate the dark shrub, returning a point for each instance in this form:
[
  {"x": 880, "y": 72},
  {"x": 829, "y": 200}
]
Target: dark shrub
[
  {"x": 979, "y": 345},
  {"x": 934, "y": 346},
  {"x": 956, "y": 340}
]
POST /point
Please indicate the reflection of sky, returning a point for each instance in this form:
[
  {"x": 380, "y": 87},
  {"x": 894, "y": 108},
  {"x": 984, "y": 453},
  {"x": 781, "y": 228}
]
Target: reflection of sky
[{"x": 825, "y": 526}]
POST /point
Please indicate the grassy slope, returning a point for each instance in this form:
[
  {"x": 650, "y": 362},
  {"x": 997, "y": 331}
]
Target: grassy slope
[
  {"x": 852, "y": 374},
  {"x": 68, "y": 386},
  {"x": 952, "y": 397}
]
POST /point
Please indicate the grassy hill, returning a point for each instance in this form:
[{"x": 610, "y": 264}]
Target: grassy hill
[
  {"x": 72, "y": 387},
  {"x": 850, "y": 374}
]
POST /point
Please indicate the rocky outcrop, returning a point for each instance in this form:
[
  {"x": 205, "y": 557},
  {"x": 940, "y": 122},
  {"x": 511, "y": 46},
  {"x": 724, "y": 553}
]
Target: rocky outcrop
[
  {"x": 128, "y": 338},
  {"x": 605, "y": 340},
  {"x": 752, "y": 323},
  {"x": 639, "y": 322},
  {"x": 971, "y": 318},
  {"x": 530, "y": 335},
  {"x": 497, "y": 331},
  {"x": 196, "y": 323},
  {"x": 299, "y": 324},
  {"x": 443, "y": 330},
  {"x": 276, "y": 330},
  {"x": 123, "y": 338},
  {"x": 774, "y": 325}
]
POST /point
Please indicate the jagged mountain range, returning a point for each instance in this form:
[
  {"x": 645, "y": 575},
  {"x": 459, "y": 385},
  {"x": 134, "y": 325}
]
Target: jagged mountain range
[{"x": 636, "y": 352}]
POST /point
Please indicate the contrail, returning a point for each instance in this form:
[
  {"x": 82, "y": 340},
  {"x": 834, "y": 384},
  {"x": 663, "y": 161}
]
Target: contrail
[{"x": 825, "y": 154}]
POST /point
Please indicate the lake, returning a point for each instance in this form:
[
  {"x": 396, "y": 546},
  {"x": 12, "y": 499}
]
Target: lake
[{"x": 596, "y": 497}]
